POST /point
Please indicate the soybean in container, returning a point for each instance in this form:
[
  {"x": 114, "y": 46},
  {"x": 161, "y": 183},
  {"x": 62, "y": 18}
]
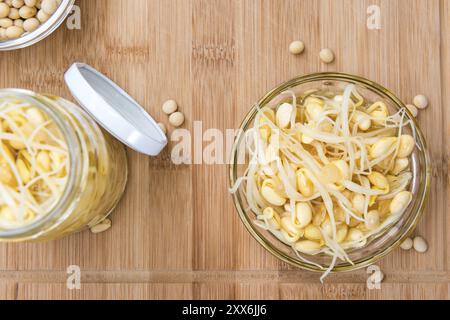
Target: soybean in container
[{"x": 26, "y": 22}]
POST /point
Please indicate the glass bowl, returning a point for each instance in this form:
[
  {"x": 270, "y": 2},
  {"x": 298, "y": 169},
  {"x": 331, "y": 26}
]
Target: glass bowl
[
  {"x": 44, "y": 30},
  {"x": 378, "y": 245}
]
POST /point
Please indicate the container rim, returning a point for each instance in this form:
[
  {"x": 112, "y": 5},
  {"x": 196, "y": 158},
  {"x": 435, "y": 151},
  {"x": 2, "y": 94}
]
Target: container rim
[{"x": 323, "y": 76}]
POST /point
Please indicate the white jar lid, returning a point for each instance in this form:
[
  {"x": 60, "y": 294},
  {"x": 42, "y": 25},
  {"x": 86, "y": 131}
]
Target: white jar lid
[{"x": 115, "y": 110}]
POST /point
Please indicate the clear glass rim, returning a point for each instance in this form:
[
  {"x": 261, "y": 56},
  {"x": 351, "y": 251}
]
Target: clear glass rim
[
  {"x": 43, "y": 31},
  {"x": 419, "y": 201},
  {"x": 67, "y": 198}
]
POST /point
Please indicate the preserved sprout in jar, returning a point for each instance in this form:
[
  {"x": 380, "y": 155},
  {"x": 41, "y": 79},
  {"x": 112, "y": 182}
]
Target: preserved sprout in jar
[
  {"x": 59, "y": 172},
  {"x": 33, "y": 163}
]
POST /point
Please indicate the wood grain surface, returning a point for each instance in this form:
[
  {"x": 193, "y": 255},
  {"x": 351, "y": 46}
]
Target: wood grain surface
[{"x": 176, "y": 234}]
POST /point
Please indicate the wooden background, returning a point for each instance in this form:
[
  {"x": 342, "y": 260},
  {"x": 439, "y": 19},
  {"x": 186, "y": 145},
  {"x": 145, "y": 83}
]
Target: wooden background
[{"x": 176, "y": 234}]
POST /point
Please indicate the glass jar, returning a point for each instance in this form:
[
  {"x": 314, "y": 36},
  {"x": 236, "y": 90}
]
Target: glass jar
[
  {"x": 378, "y": 245},
  {"x": 94, "y": 158},
  {"x": 44, "y": 30},
  {"x": 95, "y": 181}
]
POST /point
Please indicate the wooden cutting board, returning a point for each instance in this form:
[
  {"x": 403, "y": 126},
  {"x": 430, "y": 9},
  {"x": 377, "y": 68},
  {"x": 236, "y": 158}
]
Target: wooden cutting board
[{"x": 176, "y": 234}]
